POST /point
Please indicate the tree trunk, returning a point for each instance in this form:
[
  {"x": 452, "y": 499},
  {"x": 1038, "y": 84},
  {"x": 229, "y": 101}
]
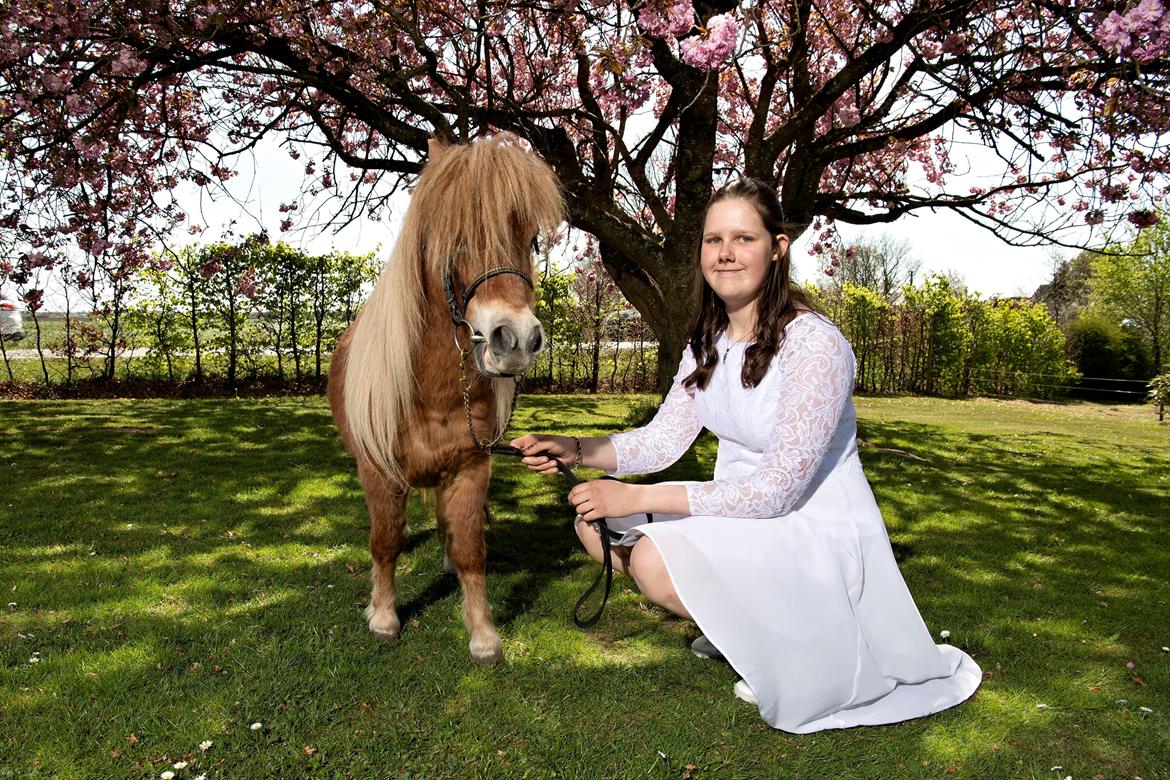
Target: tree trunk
[
  {"x": 231, "y": 323},
  {"x": 292, "y": 335},
  {"x": 68, "y": 337},
  {"x": 279, "y": 339},
  {"x": 115, "y": 327},
  {"x": 7, "y": 362},
  {"x": 595, "y": 352},
  {"x": 40, "y": 351},
  {"x": 195, "y": 333}
]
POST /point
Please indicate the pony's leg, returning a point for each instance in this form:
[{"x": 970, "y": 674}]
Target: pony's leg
[
  {"x": 461, "y": 506},
  {"x": 387, "y": 523}
]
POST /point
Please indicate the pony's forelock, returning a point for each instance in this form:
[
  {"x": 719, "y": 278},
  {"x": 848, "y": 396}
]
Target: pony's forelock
[{"x": 474, "y": 207}]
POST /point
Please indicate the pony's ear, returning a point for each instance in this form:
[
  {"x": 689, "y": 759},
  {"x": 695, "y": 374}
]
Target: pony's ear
[{"x": 435, "y": 149}]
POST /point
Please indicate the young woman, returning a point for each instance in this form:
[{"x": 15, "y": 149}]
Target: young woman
[{"x": 782, "y": 559}]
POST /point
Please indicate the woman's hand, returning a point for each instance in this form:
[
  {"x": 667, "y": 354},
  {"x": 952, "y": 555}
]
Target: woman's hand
[
  {"x": 541, "y": 449},
  {"x": 600, "y": 498}
]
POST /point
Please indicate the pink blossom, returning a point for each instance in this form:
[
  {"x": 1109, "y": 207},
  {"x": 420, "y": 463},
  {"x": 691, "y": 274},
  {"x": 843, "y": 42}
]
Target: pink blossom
[
  {"x": 1094, "y": 216},
  {"x": 36, "y": 260},
  {"x": 848, "y": 115},
  {"x": 1143, "y": 218},
  {"x": 1142, "y": 33},
  {"x": 126, "y": 64},
  {"x": 55, "y": 83},
  {"x": 663, "y": 20},
  {"x": 955, "y": 44},
  {"x": 75, "y": 105},
  {"x": 209, "y": 269},
  {"x": 1145, "y": 15},
  {"x": 246, "y": 285},
  {"x": 1113, "y": 33},
  {"x": 709, "y": 50},
  {"x": 33, "y": 299},
  {"x": 830, "y": 271},
  {"x": 95, "y": 246},
  {"x": 1114, "y": 192}
]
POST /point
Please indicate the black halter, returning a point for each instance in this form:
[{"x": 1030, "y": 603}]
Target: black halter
[{"x": 458, "y": 314}]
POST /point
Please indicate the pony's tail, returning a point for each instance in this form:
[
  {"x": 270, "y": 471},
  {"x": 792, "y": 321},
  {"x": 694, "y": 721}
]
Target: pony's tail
[{"x": 379, "y": 375}]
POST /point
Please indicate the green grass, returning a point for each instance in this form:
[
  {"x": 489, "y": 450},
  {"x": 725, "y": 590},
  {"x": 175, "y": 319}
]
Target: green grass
[{"x": 183, "y": 569}]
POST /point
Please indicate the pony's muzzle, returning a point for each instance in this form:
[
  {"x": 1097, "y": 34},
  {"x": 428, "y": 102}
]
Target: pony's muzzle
[
  {"x": 504, "y": 341},
  {"x": 511, "y": 346}
]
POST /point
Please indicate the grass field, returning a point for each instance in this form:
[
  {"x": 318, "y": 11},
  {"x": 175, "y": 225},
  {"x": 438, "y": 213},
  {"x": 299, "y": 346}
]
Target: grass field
[{"x": 177, "y": 571}]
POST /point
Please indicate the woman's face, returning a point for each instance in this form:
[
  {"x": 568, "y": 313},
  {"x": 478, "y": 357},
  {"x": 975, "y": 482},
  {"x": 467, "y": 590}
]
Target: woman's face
[{"x": 738, "y": 251}]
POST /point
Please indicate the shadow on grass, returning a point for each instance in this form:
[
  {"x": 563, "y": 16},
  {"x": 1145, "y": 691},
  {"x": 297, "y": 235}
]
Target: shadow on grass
[{"x": 230, "y": 569}]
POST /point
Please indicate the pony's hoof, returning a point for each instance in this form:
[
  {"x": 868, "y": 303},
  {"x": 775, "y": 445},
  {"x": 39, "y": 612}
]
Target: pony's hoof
[
  {"x": 384, "y": 627},
  {"x": 385, "y": 636},
  {"x": 488, "y": 653}
]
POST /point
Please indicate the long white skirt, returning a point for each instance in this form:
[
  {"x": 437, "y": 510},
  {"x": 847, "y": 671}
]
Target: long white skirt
[{"x": 811, "y": 610}]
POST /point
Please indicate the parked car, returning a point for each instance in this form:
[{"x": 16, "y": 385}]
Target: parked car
[{"x": 11, "y": 322}]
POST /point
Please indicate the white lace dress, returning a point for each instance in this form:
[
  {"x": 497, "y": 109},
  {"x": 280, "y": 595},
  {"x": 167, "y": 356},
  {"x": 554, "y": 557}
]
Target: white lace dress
[{"x": 784, "y": 562}]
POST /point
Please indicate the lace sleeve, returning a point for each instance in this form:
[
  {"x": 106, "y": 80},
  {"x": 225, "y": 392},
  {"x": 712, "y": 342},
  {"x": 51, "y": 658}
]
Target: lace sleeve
[
  {"x": 817, "y": 373},
  {"x": 664, "y": 440}
]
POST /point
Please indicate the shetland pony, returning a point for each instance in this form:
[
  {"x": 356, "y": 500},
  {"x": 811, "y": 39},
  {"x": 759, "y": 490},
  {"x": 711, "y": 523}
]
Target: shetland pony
[{"x": 395, "y": 380}]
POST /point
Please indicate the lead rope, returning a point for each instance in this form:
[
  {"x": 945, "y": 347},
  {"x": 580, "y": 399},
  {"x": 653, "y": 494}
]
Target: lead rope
[
  {"x": 494, "y": 446},
  {"x": 607, "y": 536}
]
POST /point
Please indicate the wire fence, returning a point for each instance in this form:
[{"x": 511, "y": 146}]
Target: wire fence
[{"x": 1123, "y": 390}]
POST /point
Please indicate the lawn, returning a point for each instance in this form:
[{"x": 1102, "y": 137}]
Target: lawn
[{"x": 175, "y": 572}]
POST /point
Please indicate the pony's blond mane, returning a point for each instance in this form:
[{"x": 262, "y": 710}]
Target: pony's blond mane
[{"x": 474, "y": 207}]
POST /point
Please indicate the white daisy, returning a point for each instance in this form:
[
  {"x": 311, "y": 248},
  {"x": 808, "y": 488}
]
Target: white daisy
[
  {"x": 256, "y": 726},
  {"x": 205, "y": 744}
]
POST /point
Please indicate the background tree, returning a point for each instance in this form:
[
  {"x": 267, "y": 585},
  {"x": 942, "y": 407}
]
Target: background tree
[
  {"x": 1160, "y": 394},
  {"x": 105, "y": 108},
  {"x": 1068, "y": 291},
  {"x": 1102, "y": 348},
  {"x": 880, "y": 263},
  {"x": 598, "y": 302},
  {"x": 157, "y": 313},
  {"x": 554, "y": 306},
  {"x": 232, "y": 286},
  {"x": 1132, "y": 284}
]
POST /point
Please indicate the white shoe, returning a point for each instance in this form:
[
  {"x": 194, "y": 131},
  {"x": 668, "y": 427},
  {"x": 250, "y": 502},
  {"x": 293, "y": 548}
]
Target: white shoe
[
  {"x": 702, "y": 648},
  {"x": 744, "y": 692}
]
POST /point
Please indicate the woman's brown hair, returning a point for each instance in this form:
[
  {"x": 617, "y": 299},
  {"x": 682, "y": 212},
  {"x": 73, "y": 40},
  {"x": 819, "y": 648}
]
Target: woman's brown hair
[{"x": 777, "y": 305}]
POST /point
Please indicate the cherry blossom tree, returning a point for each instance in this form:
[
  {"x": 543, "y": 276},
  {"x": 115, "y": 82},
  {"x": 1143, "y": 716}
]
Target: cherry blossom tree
[{"x": 856, "y": 111}]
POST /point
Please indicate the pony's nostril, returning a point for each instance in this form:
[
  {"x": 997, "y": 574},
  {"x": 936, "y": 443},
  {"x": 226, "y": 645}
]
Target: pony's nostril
[
  {"x": 536, "y": 343},
  {"x": 503, "y": 340}
]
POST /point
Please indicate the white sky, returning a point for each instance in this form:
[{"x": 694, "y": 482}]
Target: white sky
[{"x": 941, "y": 241}]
